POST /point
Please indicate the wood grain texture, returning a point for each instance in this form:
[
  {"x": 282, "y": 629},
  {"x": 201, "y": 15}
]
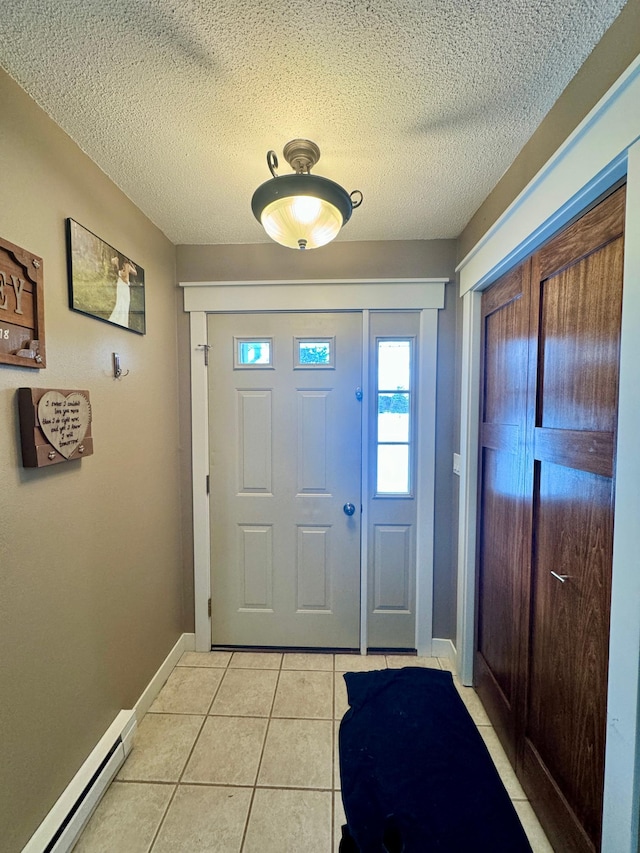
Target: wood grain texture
[
  {"x": 576, "y": 316},
  {"x": 579, "y": 342},
  {"x": 562, "y": 829},
  {"x": 548, "y": 432},
  {"x": 575, "y": 332},
  {"x": 585, "y": 449},
  {"x": 502, "y": 497},
  {"x": 505, "y": 437},
  {"x": 570, "y": 630},
  {"x": 588, "y": 234},
  {"x": 21, "y": 307},
  {"x": 37, "y": 450}
]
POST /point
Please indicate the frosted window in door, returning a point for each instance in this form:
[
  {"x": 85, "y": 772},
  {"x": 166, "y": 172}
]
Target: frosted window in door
[
  {"x": 253, "y": 353},
  {"x": 393, "y": 416},
  {"x": 314, "y": 352}
]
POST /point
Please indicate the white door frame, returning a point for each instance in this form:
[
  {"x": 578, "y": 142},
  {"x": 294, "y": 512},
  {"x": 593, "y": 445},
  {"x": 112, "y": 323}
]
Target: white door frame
[
  {"x": 423, "y": 294},
  {"x": 604, "y": 148}
]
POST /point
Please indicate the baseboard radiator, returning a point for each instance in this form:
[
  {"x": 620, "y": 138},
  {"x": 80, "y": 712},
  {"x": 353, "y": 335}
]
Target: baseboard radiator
[{"x": 60, "y": 829}]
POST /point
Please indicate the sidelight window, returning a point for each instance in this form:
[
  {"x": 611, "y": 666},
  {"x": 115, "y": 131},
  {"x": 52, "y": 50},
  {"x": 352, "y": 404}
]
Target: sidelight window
[{"x": 394, "y": 427}]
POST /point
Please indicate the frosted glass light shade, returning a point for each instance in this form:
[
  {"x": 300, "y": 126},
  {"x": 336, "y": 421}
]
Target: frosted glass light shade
[
  {"x": 302, "y": 220},
  {"x": 301, "y": 211}
]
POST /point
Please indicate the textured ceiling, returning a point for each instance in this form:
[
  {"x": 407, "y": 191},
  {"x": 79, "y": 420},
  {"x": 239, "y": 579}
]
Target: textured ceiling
[{"x": 420, "y": 104}]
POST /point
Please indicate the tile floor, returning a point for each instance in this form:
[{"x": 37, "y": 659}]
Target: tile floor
[{"x": 238, "y": 754}]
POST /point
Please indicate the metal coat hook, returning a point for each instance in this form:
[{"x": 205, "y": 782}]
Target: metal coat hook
[{"x": 117, "y": 370}]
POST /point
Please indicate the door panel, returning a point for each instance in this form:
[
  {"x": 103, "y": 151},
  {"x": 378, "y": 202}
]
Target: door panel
[
  {"x": 576, "y": 317},
  {"x": 285, "y": 457},
  {"x": 503, "y": 500},
  {"x": 580, "y": 313},
  {"x": 570, "y": 630},
  {"x": 392, "y": 567},
  {"x": 255, "y": 563},
  {"x": 551, "y": 335},
  {"x": 392, "y": 517},
  {"x": 255, "y": 440},
  {"x": 313, "y": 433},
  {"x": 314, "y": 569}
]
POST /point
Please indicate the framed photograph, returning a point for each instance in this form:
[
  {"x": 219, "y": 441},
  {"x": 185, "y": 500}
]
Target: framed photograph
[{"x": 104, "y": 283}]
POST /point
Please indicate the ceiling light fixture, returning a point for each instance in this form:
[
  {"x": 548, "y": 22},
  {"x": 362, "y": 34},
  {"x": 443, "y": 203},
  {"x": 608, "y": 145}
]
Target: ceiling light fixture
[{"x": 302, "y": 211}]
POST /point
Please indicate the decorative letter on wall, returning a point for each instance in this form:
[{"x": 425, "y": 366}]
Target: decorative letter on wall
[
  {"x": 55, "y": 426},
  {"x": 21, "y": 307}
]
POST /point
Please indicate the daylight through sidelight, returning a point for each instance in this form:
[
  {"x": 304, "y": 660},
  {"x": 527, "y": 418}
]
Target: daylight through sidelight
[{"x": 393, "y": 421}]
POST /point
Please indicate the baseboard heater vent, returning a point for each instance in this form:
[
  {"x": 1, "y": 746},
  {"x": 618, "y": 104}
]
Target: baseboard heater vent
[{"x": 60, "y": 829}]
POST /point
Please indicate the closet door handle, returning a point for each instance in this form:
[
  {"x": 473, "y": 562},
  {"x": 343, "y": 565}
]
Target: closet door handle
[{"x": 561, "y": 578}]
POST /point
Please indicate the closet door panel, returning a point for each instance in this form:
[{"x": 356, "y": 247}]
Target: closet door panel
[
  {"x": 502, "y": 499},
  {"x": 500, "y": 553},
  {"x": 549, "y": 396},
  {"x": 576, "y": 314},
  {"x": 570, "y": 618},
  {"x": 603, "y": 224},
  {"x": 579, "y": 344}
]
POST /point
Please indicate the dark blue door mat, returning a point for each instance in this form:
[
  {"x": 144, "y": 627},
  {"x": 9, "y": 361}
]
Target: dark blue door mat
[{"x": 416, "y": 775}]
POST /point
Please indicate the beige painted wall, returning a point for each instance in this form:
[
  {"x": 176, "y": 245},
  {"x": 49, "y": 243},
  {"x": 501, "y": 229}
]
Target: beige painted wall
[
  {"x": 619, "y": 46},
  {"x": 90, "y": 551},
  {"x": 387, "y": 259}
]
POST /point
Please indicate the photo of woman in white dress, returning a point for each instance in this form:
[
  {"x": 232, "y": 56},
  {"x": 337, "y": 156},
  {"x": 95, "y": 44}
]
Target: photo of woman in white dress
[
  {"x": 103, "y": 282},
  {"x": 125, "y": 268}
]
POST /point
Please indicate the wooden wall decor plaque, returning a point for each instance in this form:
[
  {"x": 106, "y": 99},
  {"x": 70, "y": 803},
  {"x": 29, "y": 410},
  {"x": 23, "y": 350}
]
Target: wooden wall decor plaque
[
  {"x": 55, "y": 426},
  {"x": 21, "y": 307}
]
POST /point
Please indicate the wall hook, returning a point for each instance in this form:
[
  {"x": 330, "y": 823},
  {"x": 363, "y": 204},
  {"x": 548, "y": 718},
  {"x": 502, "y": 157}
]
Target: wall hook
[{"x": 117, "y": 370}]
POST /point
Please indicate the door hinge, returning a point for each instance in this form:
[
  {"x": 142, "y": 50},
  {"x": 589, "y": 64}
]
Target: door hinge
[
  {"x": 208, "y": 483},
  {"x": 206, "y": 348},
  {"x": 209, "y": 608}
]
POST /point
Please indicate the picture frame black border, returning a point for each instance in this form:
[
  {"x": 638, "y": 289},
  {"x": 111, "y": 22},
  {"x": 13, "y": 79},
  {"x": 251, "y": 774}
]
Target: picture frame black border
[{"x": 69, "y": 220}]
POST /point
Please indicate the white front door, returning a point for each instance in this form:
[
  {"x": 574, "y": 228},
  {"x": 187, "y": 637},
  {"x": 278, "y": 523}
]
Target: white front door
[{"x": 285, "y": 469}]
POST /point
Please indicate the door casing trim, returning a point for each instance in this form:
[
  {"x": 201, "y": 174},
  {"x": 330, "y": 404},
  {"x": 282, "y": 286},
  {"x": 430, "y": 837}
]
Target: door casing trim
[{"x": 425, "y": 295}]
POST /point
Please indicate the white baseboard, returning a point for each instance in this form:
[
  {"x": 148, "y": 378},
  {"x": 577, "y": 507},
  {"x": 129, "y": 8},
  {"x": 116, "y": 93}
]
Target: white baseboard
[
  {"x": 444, "y": 649},
  {"x": 185, "y": 643},
  {"x": 61, "y": 827},
  {"x": 73, "y": 808}
]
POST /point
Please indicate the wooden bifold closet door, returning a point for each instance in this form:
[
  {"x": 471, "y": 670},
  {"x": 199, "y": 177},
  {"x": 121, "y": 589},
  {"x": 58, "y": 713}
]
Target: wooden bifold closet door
[{"x": 551, "y": 334}]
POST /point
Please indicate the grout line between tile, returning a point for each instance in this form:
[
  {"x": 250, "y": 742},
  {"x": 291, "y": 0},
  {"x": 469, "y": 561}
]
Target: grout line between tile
[
  {"x": 247, "y": 819},
  {"x": 215, "y": 693},
  {"x": 161, "y": 824},
  {"x": 197, "y": 738},
  {"x": 302, "y": 790},
  {"x": 264, "y": 742},
  {"x": 193, "y": 746},
  {"x": 266, "y": 733}
]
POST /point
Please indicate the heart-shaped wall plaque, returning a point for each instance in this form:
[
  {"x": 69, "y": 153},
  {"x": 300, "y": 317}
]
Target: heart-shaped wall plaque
[{"x": 64, "y": 420}]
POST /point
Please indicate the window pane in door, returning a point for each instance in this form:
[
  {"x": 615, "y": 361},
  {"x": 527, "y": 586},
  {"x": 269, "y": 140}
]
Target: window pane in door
[
  {"x": 250, "y": 353},
  {"x": 393, "y": 417},
  {"x": 393, "y": 469},
  {"x": 394, "y": 365},
  {"x": 314, "y": 352}
]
